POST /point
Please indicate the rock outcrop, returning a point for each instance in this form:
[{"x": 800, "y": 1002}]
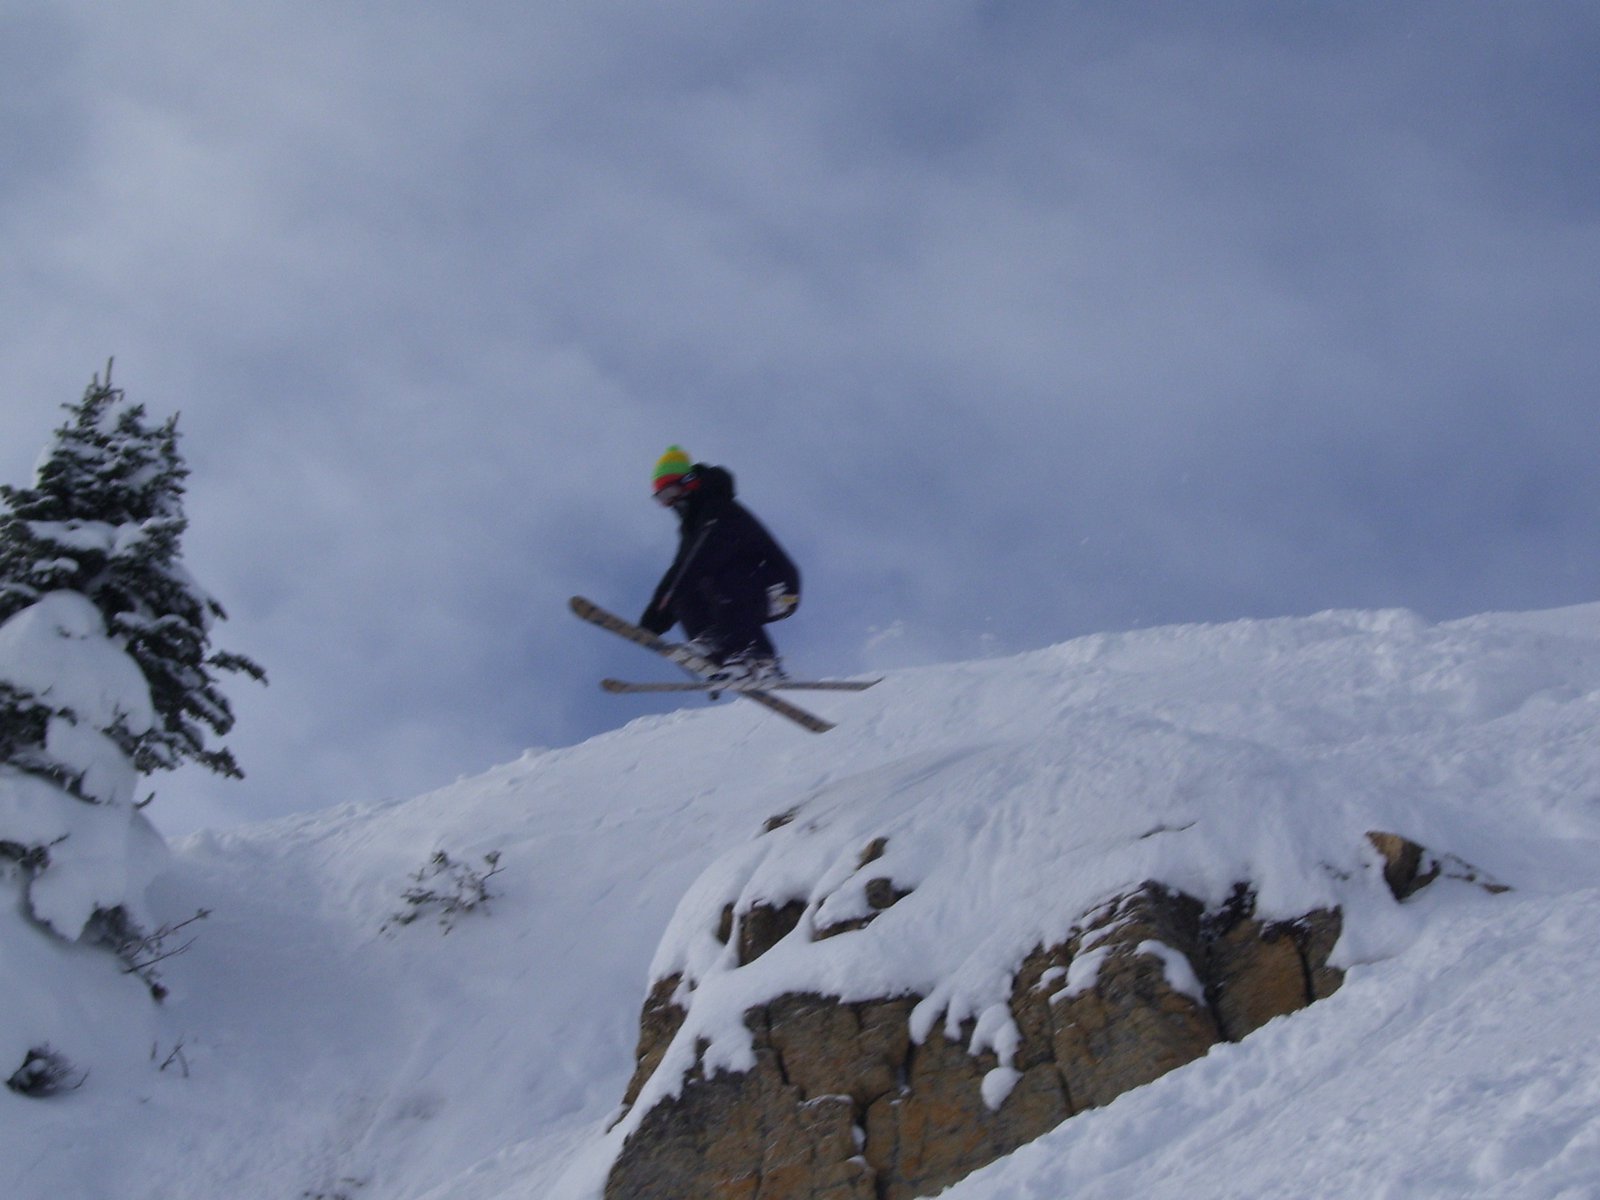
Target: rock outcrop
[{"x": 844, "y": 1104}]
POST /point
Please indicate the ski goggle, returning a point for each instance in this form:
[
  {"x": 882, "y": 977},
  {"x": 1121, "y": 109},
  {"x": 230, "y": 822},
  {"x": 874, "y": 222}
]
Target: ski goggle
[{"x": 670, "y": 494}]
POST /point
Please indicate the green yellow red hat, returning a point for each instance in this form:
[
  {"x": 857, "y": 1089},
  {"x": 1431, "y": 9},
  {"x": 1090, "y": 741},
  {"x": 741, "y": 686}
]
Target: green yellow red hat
[{"x": 670, "y": 468}]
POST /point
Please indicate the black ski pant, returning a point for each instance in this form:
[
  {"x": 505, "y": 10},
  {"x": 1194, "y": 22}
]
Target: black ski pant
[{"x": 729, "y": 611}]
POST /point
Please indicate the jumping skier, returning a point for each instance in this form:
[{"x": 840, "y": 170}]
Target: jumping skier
[{"x": 729, "y": 578}]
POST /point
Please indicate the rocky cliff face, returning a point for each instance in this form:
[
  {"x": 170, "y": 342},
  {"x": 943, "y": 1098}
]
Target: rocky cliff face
[{"x": 844, "y": 1104}]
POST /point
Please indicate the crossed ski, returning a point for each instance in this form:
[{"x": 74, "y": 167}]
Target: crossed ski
[
  {"x": 627, "y": 686},
  {"x": 699, "y": 668}
]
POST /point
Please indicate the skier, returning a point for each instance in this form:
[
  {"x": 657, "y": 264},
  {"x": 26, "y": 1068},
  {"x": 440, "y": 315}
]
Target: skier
[{"x": 729, "y": 577}]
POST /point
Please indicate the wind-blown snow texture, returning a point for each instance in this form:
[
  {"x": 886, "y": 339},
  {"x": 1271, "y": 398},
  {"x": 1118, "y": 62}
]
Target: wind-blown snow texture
[{"x": 309, "y": 1051}]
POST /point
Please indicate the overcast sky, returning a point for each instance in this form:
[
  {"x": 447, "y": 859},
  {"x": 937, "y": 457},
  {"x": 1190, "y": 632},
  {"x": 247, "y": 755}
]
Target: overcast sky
[{"x": 1015, "y": 321}]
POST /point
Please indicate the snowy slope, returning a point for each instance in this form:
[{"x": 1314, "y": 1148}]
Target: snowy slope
[{"x": 312, "y": 1052}]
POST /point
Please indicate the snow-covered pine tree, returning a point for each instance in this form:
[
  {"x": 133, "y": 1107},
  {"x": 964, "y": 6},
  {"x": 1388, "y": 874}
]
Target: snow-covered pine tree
[
  {"x": 104, "y": 520},
  {"x": 106, "y": 674}
]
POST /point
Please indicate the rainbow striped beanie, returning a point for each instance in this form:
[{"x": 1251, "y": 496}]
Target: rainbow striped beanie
[{"x": 672, "y": 466}]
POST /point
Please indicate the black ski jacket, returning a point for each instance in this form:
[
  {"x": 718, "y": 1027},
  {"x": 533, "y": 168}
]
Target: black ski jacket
[{"x": 721, "y": 548}]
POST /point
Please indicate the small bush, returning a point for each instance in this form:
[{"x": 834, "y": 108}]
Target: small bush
[
  {"x": 139, "y": 950},
  {"x": 45, "y": 1072},
  {"x": 447, "y": 888}
]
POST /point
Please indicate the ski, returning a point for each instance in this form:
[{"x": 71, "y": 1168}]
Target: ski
[
  {"x": 692, "y": 664},
  {"x": 626, "y": 687}
]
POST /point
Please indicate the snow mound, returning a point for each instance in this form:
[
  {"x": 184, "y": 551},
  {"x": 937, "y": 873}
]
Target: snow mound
[{"x": 1257, "y": 753}]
